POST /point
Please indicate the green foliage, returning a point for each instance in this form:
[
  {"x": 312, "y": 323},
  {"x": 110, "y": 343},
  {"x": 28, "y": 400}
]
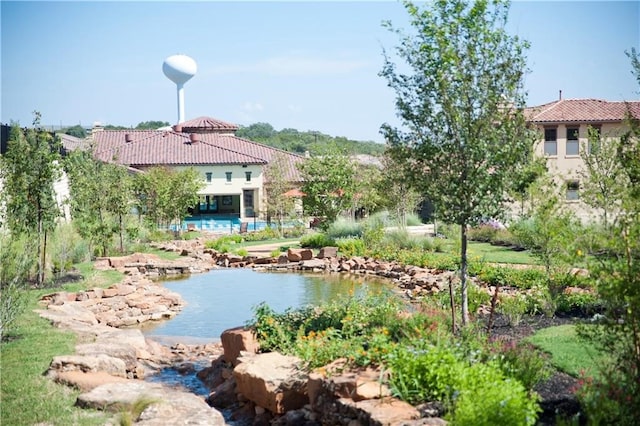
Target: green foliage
[
  {"x": 267, "y": 233},
  {"x": 429, "y": 372},
  {"x": 550, "y": 231},
  {"x": 465, "y": 70},
  {"x": 164, "y": 196},
  {"x": 28, "y": 171},
  {"x": 504, "y": 401},
  {"x": 521, "y": 361},
  {"x": 569, "y": 352},
  {"x": 16, "y": 261},
  {"x": 67, "y": 249},
  {"x": 328, "y": 184},
  {"x": 299, "y": 142},
  {"x": 77, "y": 131},
  {"x": 350, "y": 247},
  {"x": 521, "y": 278},
  {"x": 513, "y": 307},
  {"x": 151, "y": 125},
  {"x": 317, "y": 240},
  {"x": 344, "y": 228},
  {"x": 224, "y": 244},
  {"x": 279, "y": 207},
  {"x": 101, "y": 199}
]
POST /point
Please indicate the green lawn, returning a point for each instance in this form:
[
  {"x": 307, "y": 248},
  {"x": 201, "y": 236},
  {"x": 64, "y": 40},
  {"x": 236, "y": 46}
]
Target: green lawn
[
  {"x": 27, "y": 396},
  {"x": 498, "y": 254},
  {"x": 568, "y": 352}
]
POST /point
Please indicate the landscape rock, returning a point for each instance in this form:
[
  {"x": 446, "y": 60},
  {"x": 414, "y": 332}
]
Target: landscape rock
[
  {"x": 168, "y": 406},
  {"x": 326, "y": 252},
  {"x": 273, "y": 381},
  {"x": 237, "y": 340}
]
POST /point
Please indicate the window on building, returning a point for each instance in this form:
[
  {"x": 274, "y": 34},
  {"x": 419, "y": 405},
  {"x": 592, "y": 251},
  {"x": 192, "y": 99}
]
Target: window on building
[
  {"x": 573, "y": 187},
  {"x": 228, "y": 176},
  {"x": 248, "y": 176},
  {"x": 573, "y": 144},
  {"x": 208, "y": 175},
  {"x": 551, "y": 141},
  {"x": 594, "y": 138}
]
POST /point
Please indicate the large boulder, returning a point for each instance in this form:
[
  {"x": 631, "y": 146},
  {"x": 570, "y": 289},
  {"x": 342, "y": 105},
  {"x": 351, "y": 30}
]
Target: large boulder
[
  {"x": 326, "y": 252},
  {"x": 94, "y": 363},
  {"x": 236, "y": 340},
  {"x": 296, "y": 255},
  {"x": 166, "y": 406},
  {"x": 272, "y": 381}
]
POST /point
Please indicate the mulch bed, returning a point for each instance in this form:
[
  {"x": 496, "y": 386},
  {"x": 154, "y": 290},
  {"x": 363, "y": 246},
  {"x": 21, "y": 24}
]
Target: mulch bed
[{"x": 557, "y": 392}]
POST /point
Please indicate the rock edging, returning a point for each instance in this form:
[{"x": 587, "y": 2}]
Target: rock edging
[{"x": 110, "y": 362}]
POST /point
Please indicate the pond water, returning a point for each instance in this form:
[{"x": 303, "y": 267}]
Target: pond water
[{"x": 225, "y": 298}]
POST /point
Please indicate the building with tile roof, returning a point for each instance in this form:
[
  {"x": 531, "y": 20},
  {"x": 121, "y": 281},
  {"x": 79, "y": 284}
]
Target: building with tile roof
[
  {"x": 232, "y": 168},
  {"x": 564, "y": 128}
]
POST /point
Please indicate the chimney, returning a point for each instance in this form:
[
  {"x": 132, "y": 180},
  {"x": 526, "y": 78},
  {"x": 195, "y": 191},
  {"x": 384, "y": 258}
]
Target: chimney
[
  {"x": 194, "y": 137},
  {"x": 177, "y": 128},
  {"x": 560, "y": 95},
  {"x": 128, "y": 138}
]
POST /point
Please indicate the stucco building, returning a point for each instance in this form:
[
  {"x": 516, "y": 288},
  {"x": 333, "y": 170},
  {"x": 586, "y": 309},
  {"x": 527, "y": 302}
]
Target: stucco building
[
  {"x": 564, "y": 133},
  {"x": 232, "y": 168}
]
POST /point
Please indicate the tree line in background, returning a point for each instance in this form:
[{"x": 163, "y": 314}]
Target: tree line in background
[
  {"x": 80, "y": 132},
  {"x": 288, "y": 139},
  {"x": 314, "y": 142}
]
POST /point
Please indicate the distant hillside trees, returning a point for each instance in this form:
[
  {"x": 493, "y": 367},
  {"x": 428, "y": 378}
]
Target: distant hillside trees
[
  {"x": 299, "y": 142},
  {"x": 78, "y": 131}
]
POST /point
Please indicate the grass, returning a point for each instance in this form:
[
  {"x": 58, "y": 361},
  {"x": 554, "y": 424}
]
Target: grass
[
  {"x": 499, "y": 254},
  {"x": 27, "y": 396},
  {"x": 568, "y": 352}
]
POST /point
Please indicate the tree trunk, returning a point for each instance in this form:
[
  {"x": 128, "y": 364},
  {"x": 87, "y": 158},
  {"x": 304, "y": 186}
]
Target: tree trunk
[
  {"x": 44, "y": 258},
  {"x": 39, "y": 279},
  {"x": 463, "y": 274},
  {"x": 121, "y": 232}
]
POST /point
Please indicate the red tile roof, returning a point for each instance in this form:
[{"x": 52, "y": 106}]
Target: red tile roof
[
  {"x": 208, "y": 124},
  {"x": 582, "y": 110},
  {"x": 170, "y": 148}
]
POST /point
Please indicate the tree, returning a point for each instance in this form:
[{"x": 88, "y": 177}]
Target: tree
[
  {"x": 329, "y": 185},
  {"x": 101, "y": 198},
  {"x": 151, "y": 125},
  {"x": 603, "y": 179},
  {"x": 396, "y": 183},
  {"x": 615, "y": 398},
  {"x": 76, "y": 131},
  {"x": 165, "y": 195},
  {"x": 461, "y": 109},
  {"x": 278, "y": 205},
  {"x": 29, "y": 169}
]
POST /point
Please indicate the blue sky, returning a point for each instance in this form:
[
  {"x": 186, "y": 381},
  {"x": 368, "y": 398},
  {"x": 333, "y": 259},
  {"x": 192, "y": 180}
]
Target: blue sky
[{"x": 296, "y": 64}]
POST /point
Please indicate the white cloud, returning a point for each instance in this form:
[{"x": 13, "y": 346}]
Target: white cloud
[{"x": 294, "y": 65}]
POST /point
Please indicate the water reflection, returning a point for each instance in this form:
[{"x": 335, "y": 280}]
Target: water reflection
[{"x": 224, "y": 298}]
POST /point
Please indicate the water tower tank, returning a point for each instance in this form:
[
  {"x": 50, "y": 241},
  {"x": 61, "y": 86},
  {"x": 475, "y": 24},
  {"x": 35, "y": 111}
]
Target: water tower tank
[{"x": 179, "y": 69}]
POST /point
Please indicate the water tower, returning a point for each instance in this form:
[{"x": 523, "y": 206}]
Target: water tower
[{"x": 179, "y": 69}]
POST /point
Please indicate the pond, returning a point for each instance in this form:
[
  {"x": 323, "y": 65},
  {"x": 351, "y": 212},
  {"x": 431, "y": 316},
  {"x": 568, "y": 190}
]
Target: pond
[{"x": 225, "y": 298}]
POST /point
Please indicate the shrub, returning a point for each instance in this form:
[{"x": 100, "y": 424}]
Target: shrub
[
  {"x": 344, "y": 228},
  {"x": 67, "y": 248},
  {"x": 17, "y": 258},
  {"x": 483, "y": 233},
  {"x": 513, "y": 308},
  {"x": 267, "y": 233},
  {"x": 413, "y": 219},
  {"x": 275, "y": 253},
  {"x": 224, "y": 243},
  {"x": 579, "y": 303},
  {"x": 521, "y": 278},
  {"x": 351, "y": 247},
  {"x": 521, "y": 361},
  {"x": 242, "y": 252},
  {"x": 485, "y": 397},
  {"x": 423, "y": 373},
  {"x": 317, "y": 240}
]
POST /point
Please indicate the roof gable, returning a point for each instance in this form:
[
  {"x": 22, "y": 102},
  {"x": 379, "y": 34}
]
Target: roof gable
[{"x": 582, "y": 110}]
